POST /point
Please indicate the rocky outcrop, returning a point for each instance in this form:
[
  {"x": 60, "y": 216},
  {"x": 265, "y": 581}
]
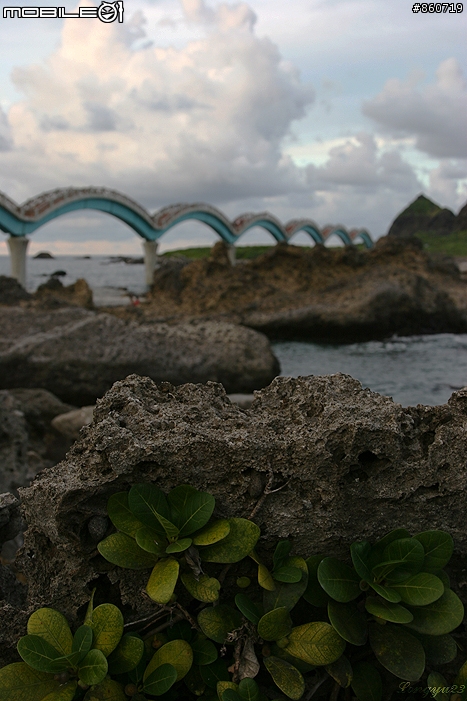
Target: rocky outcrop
[
  {"x": 424, "y": 215},
  {"x": 71, "y": 423},
  {"x": 336, "y": 295},
  {"x": 11, "y": 292},
  {"x": 353, "y": 465},
  {"x": 53, "y": 294},
  {"x": 78, "y": 355}
]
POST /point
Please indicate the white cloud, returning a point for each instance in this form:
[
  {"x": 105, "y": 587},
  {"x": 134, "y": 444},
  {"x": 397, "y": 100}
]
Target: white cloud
[
  {"x": 204, "y": 121},
  {"x": 433, "y": 114}
]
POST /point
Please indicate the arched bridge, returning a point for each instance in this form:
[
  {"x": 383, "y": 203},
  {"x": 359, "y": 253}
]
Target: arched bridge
[{"x": 21, "y": 220}]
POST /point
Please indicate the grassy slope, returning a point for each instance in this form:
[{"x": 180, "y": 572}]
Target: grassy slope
[
  {"x": 454, "y": 244},
  {"x": 242, "y": 252}
]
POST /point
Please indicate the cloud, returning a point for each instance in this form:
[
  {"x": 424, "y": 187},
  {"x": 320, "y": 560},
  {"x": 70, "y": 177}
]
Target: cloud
[
  {"x": 434, "y": 115},
  {"x": 5, "y": 132},
  {"x": 448, "y": 184},
  {"x": 204, "y": 121},
  {"x": 358, "y": 164}
]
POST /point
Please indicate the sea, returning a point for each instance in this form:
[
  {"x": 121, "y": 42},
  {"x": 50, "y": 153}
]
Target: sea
[{"x": 411, "y": 369}]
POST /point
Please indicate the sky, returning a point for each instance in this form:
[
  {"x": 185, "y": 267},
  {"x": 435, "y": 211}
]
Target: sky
[{"x": 341, "y": 111}]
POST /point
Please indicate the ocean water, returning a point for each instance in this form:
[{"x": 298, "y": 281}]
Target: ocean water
[{"x": 412, "y": 370}]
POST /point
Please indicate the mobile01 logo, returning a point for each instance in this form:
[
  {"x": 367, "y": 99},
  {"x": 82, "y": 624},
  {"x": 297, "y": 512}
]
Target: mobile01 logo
[{"x": 107, "y": 12}]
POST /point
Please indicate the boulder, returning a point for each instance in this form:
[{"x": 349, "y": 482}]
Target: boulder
[
  {"x": 28, "y": 443},
  {"x": 11, "y": 292},
  {"x": 71, "y": 423},
  {"x": 78, "y": 354},
  {"x": 53, "y": 294},
  {"x": 353, "y": 465},
  {"x": 13, "y": 444}
]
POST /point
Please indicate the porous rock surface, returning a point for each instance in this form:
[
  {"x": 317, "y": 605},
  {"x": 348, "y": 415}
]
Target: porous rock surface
[
  {"x": 355, "y": 466},
  {"x": 78, "y": 354}
]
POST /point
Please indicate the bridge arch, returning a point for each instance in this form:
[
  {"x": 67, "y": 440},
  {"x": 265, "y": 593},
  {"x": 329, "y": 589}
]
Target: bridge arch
[{"x": 20, "y": 220}]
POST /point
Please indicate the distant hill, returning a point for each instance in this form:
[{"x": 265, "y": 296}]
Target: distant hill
[{"x": 440, "y": 229}]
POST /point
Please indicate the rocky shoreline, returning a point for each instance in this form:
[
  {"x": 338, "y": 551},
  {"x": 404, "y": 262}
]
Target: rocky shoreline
[{"x": 341, "y": 295}]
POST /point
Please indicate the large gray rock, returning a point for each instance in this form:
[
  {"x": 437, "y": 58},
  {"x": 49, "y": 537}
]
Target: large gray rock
[
  {"x": 355, "y": 466},
  {"x": 28, "y": 442},
  {"x": 14, "y": 470},
  {"x": 78, "y": 354}
]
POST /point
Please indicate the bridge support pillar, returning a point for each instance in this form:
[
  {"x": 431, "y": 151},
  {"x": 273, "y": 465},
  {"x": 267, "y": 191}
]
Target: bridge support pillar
[
  {"x": 231, "y": 254},
  {"x": 150, "y": 260},
  {"x": 18, "y": 246}
]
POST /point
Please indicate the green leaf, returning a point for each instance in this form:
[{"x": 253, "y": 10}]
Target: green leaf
[
  {"x": 249, "y": 609},
  {"x": 126, "y": 655},
  {"x": 179, "y": 546},
  {"x": 377, "y": 550},
  {"x": 367, "y": 684},
  {"x": 386, "y": 592},
  {"x": 160, "y": 681},
  {"x": 249, "y": 689},
  {"x": 241, "y": 539},
  {"x": 340, "y": 671},
  {"x": 212, "y": 533},
  {"x": 287, "y": 594},
  {"x": 314, "y": 592},
  {"x": 338, "y": 580},
  {"x": 408, "y": 550},
  {"x": 148, "y": 539},
  {"x": 302, "y": 666},
  {"x": 204, "y": 652},
  {"x": 107, "y": 626},
  {"x": 66, "y": 692},
  {"x": 106, "y": 690},
  {"x": 286, "y": 677},
  {"x": 360, "y": 553},
  {"x": 420, "y": 590},
  {"x": 387, "y": 611},
  {"x": 19, "y": 682},
  {"x": 121, "y": 550},
  {"x": 204, "y": 589},
  {"x": 440, "y": 617},
  {"x": 190, "y": 508},
  {"x": 265, "y": 579},
  {"x": 222, "y": 686},
  {"x": 438, "y": 547},
  {"x": 194, "y": 682},
  {"x": 162, "y": 581},
  {"x": 82, "y": 642},
  {"x": 439, "y": 649},
  {"x": 349, "y": 622},
  {"x": 275, "y": 624},
  {"x": 281, "y": 553},
  {"x": 444, "y": 577},
  {"x": 181, "y": 630},
  {"x": 436, "y": 683},
  {"x": 148, "y": 504},
  {"x": 179, "y": 653},
  {"x": 53, "y": 627},
  {"x": 121, "y": 516},
  {"x": 315, "y": 643},
  {"x": 41, "y": 655},
  {"x": 217, "y": 622},
  {"x": 231, "y": 695},
  {"x": 214, "y": 673},
  {"x": 93, "y": 669},
  {"x": 398, "y": 651},
  {"x": 289, "y": 575}
]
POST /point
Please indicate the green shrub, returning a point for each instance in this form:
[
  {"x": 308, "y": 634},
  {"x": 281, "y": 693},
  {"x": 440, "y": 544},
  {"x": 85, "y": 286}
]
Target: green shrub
[{"x": 316, "y": 623}]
